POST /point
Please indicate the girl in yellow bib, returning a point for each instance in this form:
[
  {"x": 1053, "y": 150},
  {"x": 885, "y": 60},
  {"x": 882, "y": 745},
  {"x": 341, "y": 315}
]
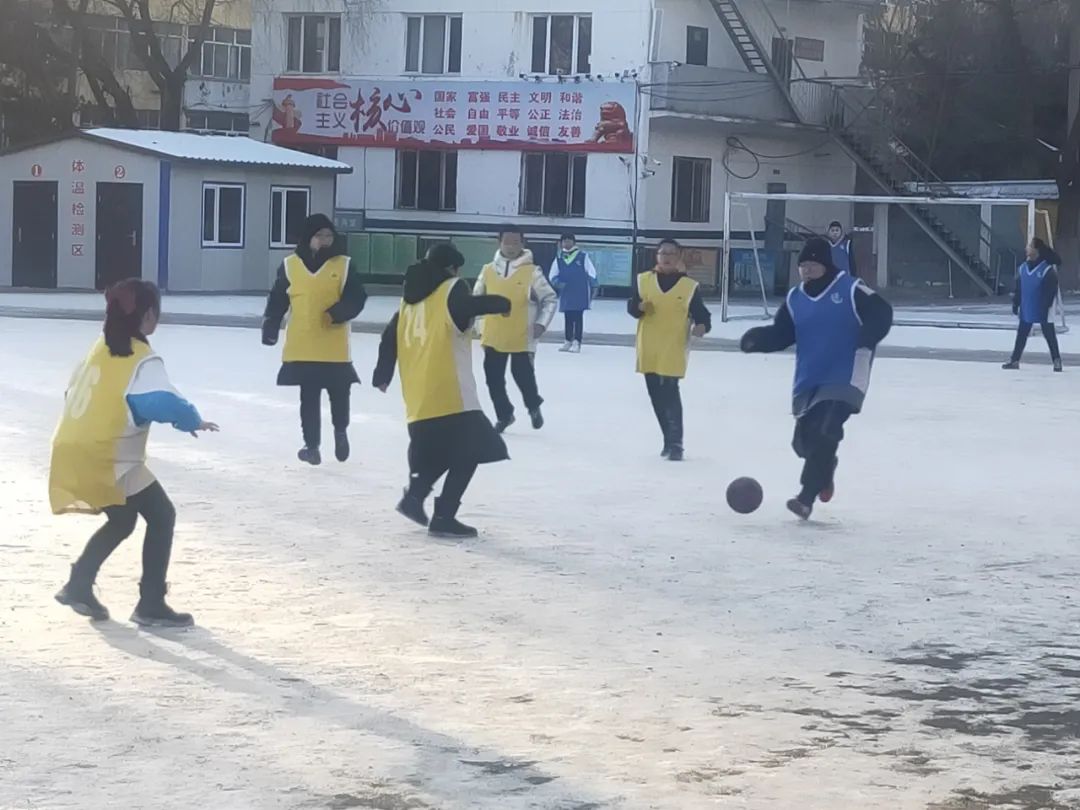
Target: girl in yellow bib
[
  {"x": 514, "y": 275},
  {"x": 430, "y": 340},
  {"x": 669, "y": 308},
  {"x": 323, "y": 292},
  {"x": 99, "y": 453}
]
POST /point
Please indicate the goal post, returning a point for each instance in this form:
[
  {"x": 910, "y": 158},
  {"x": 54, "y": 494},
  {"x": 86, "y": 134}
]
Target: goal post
[{"x": 936, "y": 249}]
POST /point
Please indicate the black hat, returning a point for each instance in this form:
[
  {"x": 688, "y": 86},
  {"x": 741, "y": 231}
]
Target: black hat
[
  {"x": 314, "y": 224},
  {"x": 817, "y": 250}
]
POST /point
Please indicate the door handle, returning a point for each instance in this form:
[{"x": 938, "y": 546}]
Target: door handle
[{"x": 18, "y": 237}]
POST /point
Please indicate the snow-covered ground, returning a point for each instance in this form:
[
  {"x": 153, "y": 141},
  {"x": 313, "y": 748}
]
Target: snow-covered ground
[
  {"x": 992, "y": 322},
  {"x": 616, "y": 638}
]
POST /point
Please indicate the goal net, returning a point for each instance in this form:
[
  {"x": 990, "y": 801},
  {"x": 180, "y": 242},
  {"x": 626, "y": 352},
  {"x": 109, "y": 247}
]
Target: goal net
[{"x": 944, "y": 261}]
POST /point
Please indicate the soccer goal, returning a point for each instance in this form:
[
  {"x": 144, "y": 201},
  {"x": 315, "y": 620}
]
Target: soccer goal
[{"x": 949, "y": 261}]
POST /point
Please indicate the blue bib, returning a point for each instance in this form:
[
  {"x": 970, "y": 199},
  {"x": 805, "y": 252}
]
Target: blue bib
[
  {"x": 574, "y": 285},
  {"x": 1031, "y": 298},
  {"x": 826, "y": 345},
  {"x": 841, "y": 257}
]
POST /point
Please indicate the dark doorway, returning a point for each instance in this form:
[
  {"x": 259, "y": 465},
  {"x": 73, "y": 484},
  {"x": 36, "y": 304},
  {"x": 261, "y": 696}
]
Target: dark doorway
[
  {"x": 33, "y": 232},
  {"x": 119, "y": 233}
]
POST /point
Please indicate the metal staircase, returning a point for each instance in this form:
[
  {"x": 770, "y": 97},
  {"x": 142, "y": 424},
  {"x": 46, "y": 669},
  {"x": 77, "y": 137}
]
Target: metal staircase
[
  {"x": 869, "y": 142},
  {"x": 750, "y": 49}
]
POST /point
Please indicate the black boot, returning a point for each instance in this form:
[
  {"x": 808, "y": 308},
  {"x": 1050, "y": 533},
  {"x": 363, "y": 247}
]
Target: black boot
[
  {"x": 444, "y": 523},
  {"x": 152, "y": 610},
  {"x": 411, "y": 506},
  {"x": 1057, "y": 364},
  {"x": 78, "y": 594},
  {"x": 536, "y": 417},
  {"x": 310, "y": 455},
  {"x": 1012, "y": 365},
  {"x": 503, "y": 424},
  {"x": 341, "y": 445}
]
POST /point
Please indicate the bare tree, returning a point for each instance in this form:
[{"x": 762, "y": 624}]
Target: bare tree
[{"x": 145, "y": 32}]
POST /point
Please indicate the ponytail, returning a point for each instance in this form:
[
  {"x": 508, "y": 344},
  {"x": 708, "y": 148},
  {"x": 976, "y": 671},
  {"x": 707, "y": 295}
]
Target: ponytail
[{"x": 126, "y": 304}]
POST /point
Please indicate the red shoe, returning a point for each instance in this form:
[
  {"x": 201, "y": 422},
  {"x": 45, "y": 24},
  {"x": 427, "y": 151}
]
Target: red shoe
[{"x": 830, "y": 488}]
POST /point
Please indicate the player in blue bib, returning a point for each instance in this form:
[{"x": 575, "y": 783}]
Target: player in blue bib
[
  {"x": 573, "y": 276},
  {"x": 835, "y": 323},
  {"x": 1034, "y": 294}
]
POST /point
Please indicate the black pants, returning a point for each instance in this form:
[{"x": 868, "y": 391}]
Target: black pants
[
  {"x": 424, "y": 475},
  {"x": 1024, "y": 330},
  {"x": 160, "y": 516},
  {"x": 575, "y": 325},
  {"x": 667, "y": 405},
  {"x": 818, "y": 434},
  {"x": 311, "y": 411},
  {"x": 521, "y": 367}
]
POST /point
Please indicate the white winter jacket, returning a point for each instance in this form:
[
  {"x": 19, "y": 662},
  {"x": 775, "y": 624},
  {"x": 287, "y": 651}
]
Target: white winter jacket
[{"x": 543, "y": 300}]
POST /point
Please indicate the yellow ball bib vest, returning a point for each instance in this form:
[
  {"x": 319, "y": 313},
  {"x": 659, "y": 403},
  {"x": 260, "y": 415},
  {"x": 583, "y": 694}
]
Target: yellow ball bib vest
[
  {"x": 508, "y": 333},
  {"x": 310, "y": 336},
  {"x": 82, "y": 474},
  {"x": 435, "y": 359},
  {"x": 663, "y": 336}
]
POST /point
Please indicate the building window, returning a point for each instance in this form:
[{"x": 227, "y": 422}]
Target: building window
[
  {"x": 691, "y": 184},
  {"x": 782, "y": 56},
  {"x": 109, "y": 36},
  {"x": 553, "y": 184},
  {"x": 427, "y": 180},
  {"x": 226, "y": 54},
  {"x": 433, "y": 44},
  {"x": 288, "y": 210},
  {"x": 314, "y": 43},
  {"x": 697, "y": 45},
  {"x": 562, "y": 44},
  {"x": 93, "y": 116},
  {"x": 218, "y": 123},
  {"x": 812, "y": 50},
  {"x": 223, "y": 215}
]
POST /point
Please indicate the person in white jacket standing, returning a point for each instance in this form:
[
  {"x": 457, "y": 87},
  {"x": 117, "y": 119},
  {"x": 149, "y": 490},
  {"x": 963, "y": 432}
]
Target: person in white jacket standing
[{"x": 512, "y": 338}]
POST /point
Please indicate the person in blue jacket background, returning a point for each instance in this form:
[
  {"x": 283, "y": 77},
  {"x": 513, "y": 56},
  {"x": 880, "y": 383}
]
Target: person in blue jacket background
[
  {"x": 1034, "y": 294},
  {"x": 574, "y": 277},
  {"x": 842, "y": 249}
]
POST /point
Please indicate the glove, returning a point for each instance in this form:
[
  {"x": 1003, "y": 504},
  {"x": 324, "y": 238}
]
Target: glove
[{"x": 538, "y": 330}]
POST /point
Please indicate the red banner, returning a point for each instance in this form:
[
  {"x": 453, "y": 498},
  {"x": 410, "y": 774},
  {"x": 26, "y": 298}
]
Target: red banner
[{"x": 431, "y": 113}]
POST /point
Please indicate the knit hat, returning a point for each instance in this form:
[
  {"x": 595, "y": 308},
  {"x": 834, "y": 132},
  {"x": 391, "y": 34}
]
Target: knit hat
[
  {"x": 817, "y": 250},
  {"x": 314, "y": 224}
]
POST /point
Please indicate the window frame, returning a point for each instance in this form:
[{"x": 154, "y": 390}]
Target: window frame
[
  {"x": 572, "y": 160},
  {"x": 706, "y": 196},
  {"x": 693, "y": 29},
  {"x": 215, "y": 243},
  {"x": 575, "y": 66},
  {"x": 234, "y": 48},
  {"x": 325, "y": 68},
  {"x": 284, "y": 244},
  {"x": 447, "y": 49},
  {"x": 443, "y": 185}
]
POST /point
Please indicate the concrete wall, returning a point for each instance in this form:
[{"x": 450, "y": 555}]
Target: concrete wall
[
  {"x": 488, "y": 190},
  {"x": 193, "y": 267},
  {"x": 838, "y": 24},
  {"x": 822, "y": 170},
  {"x": 100, "y": 162}
]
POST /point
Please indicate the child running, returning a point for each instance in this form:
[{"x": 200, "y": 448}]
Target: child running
[
  {"x": 1034, "y": 294},
  {"x": 835, "y": 322},
  {"x": 429, "y": 338},
  {"x": 99, "y": 453},
  {"x": 669, "y": 308},
  {"x": 513, "y": 274},
  {"x": 318, "y": 284}
]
